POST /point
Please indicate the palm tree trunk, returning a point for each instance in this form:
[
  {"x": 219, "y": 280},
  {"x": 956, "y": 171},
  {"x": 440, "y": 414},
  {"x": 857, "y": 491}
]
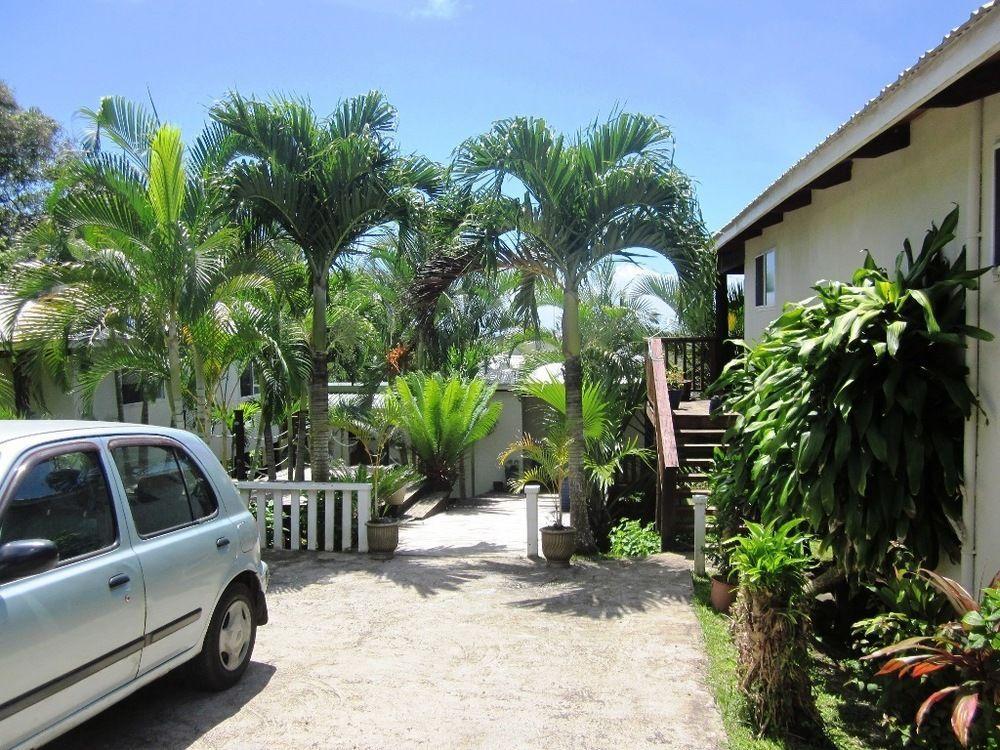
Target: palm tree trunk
[
  {"x": 174, "y": 395},
  {"x": 319, "y": 394},
  {"x": 300, "y": 451},
  {"x": 202, "y": 412},
  {"x": 119, "y": 403},
  {"x": 291, "y": 446},
  {"x": 573, "y": 377}
]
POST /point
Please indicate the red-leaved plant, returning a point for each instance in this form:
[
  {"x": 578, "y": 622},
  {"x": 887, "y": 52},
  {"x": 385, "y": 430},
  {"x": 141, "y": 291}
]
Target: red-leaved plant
[{"x": 969, "y": 648}]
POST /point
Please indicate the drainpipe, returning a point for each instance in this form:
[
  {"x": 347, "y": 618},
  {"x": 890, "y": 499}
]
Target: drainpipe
[{"x": 973, "y": 241}]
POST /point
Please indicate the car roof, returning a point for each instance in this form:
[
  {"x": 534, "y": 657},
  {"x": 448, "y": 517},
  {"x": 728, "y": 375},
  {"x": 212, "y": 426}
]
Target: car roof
[{"x": 48, "y": 429}]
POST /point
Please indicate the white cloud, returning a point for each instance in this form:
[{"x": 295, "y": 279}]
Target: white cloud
[{"x": 438, "y": 9}]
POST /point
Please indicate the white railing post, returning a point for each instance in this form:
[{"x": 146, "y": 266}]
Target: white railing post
[
  {"x": 700, "y": 502},
  {"x": 531, "y": 511},
  {"x": 364, "y": 516}
]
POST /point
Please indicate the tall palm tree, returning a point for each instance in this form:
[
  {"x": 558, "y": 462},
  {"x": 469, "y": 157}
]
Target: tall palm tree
[
  {"x": 328, "y": 183},
  {"x": 611, "y": 188},
  {"x": 153, "y": 259}
]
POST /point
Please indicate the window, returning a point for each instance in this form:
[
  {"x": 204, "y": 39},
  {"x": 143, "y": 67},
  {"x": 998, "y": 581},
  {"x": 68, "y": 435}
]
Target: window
[
  {"x": 764, "y": 267},
  {"x": 165, "y": 489},
  {"x": 131, "y": 392},
  {"x": 248, "y": 383},
  {"x": 64, "y": 499}
]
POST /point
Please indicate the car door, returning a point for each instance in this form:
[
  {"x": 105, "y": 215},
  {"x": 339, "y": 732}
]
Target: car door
[
  {"x": 74, "y": 633},
  {"x": 185, "y": 546}
]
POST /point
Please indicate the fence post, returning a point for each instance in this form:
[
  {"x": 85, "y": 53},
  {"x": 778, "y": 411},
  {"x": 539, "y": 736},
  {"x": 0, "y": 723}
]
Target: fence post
[
  {"x": 531, "y": 508},
  {"x": 700, "y": 501},
  {"x": 240, "y": 445},
  {"x": 364, "y": 516}
]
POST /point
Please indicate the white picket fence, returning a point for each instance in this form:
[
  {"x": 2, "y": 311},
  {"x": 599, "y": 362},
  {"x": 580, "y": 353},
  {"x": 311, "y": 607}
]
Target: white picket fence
[{"x": 286, "y": 500}]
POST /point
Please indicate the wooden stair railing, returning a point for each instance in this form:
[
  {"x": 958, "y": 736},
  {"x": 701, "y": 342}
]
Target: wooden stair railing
[{"x": 685, "y": 446}]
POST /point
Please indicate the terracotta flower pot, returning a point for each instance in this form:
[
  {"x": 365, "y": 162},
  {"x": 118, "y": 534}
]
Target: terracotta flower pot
[
  {"x": 558, "y": 545},
  {"x": 383, "y": 538},
  {"x": 723, "y": 594}
]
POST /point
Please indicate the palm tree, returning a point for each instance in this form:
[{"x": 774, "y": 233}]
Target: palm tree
[
  {"x": 610, "y": 189},
  {"x": 152, "y": 261},
  {"x": 328, "y": 184}
]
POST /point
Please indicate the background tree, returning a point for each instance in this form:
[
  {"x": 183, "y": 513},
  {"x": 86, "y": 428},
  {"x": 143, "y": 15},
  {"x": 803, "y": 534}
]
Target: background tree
[
  {"x": 29, "y": 142},
  {"x": 608, "y": 190}
]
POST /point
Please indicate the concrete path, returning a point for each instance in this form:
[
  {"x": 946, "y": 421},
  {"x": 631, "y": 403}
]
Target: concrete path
[
  {"x": 448, "y": 652},
  {"x": 493, "y": 524}
]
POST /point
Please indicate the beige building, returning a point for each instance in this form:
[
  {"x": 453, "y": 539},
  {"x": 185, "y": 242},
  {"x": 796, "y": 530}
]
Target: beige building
[{"x": 927, "y": 142}]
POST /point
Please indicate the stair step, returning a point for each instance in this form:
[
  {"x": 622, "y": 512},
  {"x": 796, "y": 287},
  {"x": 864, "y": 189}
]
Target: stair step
[
  {"x": 688, "y": 492},
  {"x": 706, "y": 462},
  {"x": 696, "y": 450},
  {"x": 702, "y": 421},
  {"x": 692, "y": 477}
]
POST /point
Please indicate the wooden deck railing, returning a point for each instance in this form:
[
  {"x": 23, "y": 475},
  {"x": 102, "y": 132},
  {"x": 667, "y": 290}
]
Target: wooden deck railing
[
  {"x": 698, "y": 357},
  {"x": 661, "y": 415}
]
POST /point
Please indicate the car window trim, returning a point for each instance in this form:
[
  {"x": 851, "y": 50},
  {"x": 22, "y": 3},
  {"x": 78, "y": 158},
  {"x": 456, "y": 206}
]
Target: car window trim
[
  {"x": 162, "y": 441},
  {"x": 34, "y": 456}
]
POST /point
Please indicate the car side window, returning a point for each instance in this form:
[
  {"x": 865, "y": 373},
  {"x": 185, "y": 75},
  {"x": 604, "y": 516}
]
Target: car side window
[
  {"x": 64, "y": 499},
  {"x": 165, "y": 490}
]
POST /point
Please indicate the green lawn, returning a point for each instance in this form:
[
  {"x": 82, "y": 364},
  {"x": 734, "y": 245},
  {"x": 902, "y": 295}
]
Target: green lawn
[{"x": 848, "y": 722}]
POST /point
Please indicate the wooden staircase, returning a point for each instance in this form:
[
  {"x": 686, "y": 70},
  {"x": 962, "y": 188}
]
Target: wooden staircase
[{"x": 686, "y": 439}]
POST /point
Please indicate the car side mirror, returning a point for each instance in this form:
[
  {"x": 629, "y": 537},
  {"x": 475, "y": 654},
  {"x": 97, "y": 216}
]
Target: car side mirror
[{"x": 27, "y": 557}]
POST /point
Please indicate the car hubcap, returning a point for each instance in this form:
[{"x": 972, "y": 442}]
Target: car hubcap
[{"x": 234, "y": 639}]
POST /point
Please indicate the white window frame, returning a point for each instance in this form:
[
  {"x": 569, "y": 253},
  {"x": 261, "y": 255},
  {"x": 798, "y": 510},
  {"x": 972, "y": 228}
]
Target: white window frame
[{"x": 760, "y": 281}]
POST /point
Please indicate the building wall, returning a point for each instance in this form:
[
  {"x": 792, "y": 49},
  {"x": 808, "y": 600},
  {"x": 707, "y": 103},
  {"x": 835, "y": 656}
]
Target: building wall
[
  {"x": 888, "y": 199},
  {"x": 484, "y": 468}
]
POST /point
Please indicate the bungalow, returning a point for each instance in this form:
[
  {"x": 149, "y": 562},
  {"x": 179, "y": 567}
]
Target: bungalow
[{"x": 927, "y": 142}]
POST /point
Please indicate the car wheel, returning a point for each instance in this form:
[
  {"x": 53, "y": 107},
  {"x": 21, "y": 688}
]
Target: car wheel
[{"x": 229, "y": 641}]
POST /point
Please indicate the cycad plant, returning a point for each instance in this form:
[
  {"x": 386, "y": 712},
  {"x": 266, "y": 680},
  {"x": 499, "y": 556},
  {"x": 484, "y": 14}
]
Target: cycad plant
[
  {"x": 443, "y": 418},
  {"x": 601, "y": 194},
  {"x": 851, "y": 410},
  {"x": 328, "y": 183}
]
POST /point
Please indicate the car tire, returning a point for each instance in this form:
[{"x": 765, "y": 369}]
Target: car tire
[{"x": 229, "y": 641}]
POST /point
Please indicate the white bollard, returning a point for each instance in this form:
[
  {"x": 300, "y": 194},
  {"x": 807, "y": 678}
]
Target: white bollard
[
  {"x": 700, "y": 501},
  {"x": 531, "y": 511}
]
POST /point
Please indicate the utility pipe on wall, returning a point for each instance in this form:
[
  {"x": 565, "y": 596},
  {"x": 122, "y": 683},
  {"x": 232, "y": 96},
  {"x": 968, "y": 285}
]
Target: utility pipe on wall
[{"x": 973, "y": 212}]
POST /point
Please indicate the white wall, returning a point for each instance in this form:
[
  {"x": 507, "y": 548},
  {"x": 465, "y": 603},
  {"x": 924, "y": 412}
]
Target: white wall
[
  {"x": 887, "y": 200},
  {"x": 508, "y": 429}
]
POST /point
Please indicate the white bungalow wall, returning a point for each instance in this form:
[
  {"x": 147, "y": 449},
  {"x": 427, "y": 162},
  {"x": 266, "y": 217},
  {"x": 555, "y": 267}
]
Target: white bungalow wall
[{"x": 890, "y": 198}]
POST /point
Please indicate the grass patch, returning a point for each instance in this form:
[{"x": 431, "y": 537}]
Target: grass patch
[{"x": 849, "y": 722}]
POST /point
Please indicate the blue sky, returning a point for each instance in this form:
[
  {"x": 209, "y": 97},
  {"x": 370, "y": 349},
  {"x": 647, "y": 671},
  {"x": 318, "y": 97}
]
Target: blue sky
[{"x": 747, "y": 87}]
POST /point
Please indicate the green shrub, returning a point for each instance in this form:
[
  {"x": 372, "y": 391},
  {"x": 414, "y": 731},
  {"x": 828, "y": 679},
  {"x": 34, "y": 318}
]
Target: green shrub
[
  {"x": 851, "y": 409},
  {"x": 631, "y": 539}
]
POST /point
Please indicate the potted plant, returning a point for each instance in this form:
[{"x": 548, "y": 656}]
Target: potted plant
[
  {"x": 558, "y": 541},
  {"x": 675, "y": 386}
]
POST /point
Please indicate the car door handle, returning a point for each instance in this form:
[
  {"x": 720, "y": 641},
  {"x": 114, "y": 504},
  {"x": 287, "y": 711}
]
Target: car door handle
[
  {"x": 118, "y": 580},
  {"x": 221, "y": 542}
]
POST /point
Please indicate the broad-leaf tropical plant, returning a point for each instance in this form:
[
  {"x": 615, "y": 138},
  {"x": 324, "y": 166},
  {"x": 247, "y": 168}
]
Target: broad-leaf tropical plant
[
  {"x": 328, "y": 183},
  {"x": 850, "y": 409},
  {"x": 601, "y": 194}
]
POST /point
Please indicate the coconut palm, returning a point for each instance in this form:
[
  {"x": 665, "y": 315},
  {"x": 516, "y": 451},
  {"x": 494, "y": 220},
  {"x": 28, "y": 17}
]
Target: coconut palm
[
  {"x": 328, "y": 183},
  {"x": 601, "y": 194}
]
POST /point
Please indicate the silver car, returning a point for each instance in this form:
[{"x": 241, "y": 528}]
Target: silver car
[{"x": 125, "y": 552}]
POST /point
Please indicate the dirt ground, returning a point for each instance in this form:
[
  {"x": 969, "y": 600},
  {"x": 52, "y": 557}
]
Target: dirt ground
[{"x": 448, "y": 652}]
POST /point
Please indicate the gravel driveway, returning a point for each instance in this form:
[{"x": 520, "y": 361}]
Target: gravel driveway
[{"x": 448, "y": 652}]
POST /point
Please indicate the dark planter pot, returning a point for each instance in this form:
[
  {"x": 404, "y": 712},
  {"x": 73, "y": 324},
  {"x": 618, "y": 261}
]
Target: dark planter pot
[
  {"x": 383, "y": 538},
  {"x": 675, "y": 398},
  {"x": 686, "y": 391},
  {"x": 558, "y": 545},
  {"x": 723, "y": 594}
]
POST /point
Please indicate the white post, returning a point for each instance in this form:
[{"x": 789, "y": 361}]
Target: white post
[
  {"x": 364, "y": 516},
  {"x": 700, "y": 501},
  {"x": 531, "y": 508}
]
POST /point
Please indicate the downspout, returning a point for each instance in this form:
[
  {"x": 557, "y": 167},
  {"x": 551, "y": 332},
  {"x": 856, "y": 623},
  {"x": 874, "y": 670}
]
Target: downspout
[{"x": 973, "y": 241}]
